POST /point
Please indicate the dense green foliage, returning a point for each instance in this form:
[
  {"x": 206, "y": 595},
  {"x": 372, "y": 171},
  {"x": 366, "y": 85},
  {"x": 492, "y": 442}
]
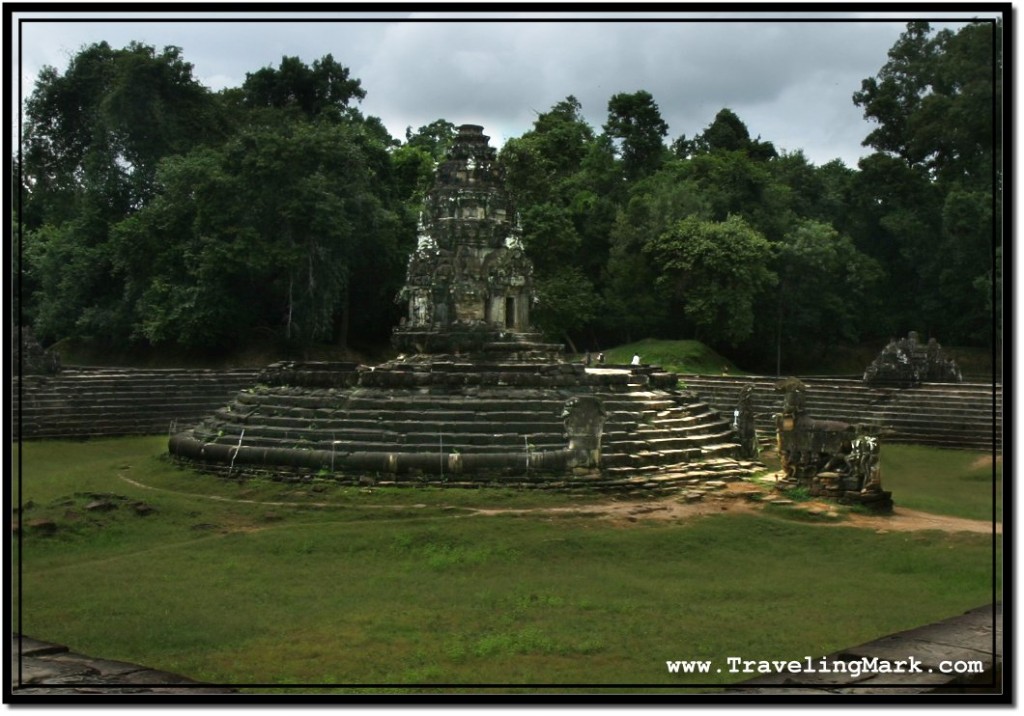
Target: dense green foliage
[
  {"x": 937, "y": 173},
  {"x": 157, "y": 212},
  {"x": 264, "y": 582}
]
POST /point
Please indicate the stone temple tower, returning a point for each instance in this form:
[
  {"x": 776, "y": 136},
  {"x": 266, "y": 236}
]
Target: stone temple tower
[
  {"x": 475, "y": 397},
  {"x": 469, "y": 283}
]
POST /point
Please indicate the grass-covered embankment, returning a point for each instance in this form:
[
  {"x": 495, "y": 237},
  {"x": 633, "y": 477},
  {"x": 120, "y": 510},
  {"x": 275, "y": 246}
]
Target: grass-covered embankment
[{"x": 684, "y": 356}]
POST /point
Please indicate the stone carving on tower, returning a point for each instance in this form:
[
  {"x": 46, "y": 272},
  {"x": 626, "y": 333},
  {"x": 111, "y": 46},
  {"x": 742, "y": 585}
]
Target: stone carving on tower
[{"x": 469, "y": 282}]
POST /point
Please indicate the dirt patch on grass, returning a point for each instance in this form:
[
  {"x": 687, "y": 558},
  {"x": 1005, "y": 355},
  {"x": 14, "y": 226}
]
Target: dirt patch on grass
[
  {"x": 736, "y": 497},
  {"x": 986, "y": 461},
  {"x": 904, "y": 520},
  {"x": 733, "y": 497},
  {"x": 747, "y": 498}
]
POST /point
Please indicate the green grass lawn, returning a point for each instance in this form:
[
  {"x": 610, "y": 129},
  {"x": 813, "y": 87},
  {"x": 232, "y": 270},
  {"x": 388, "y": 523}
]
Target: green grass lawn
[
  {"x": 961, "y": 483},
  {"x": 390, "y": 587}
]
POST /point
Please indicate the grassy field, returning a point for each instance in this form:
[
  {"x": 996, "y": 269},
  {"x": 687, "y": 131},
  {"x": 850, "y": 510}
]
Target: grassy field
[
  {"x": 265, "y": 583},
  {"x": 961, "y": 483}
]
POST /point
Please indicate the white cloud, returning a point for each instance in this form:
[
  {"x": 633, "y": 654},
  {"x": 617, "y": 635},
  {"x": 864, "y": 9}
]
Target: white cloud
[{"x": 791, "y": 82}]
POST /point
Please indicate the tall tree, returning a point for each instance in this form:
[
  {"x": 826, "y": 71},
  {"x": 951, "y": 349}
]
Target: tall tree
[
  {"x": 276, "y": 230},
  {"x": 554, "y": 173},
  {"x": 933, "y": 103},
  {"x": 108, "y": 120},
  {"x": 93, "y": 139},
  {"x": 635, "y": 120},
  {"x": 321, "y": 89},
  {"x": 727, "y": 133},
  {"x": 636, "y": 305},
  {"x": 720, "y": 272},
  {"x": 433, "y": 138},
  {"x": 540, "y": 165},
  {"x": 826, "y": 294}
]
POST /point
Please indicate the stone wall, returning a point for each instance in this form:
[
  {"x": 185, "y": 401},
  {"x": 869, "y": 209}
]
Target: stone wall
[
  {"x": 91, "y": 402},
  {"x": 41, "y": 669},
  {"x": 95, "y": 402},
  {"x": 964, "y": 415},
  {"x": 975, "y": 636}
]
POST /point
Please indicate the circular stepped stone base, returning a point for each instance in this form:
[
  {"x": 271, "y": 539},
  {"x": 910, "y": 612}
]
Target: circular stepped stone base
[{"x": 447, "y": 420}]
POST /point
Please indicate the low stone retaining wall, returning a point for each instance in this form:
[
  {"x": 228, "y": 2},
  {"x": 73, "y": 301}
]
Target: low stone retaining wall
[
  {"x": 95, "y": 402},
  {"x": 40, "y": 669},
  {"x": 956, "y": 644},
  {"x": 959, "y": 415}
]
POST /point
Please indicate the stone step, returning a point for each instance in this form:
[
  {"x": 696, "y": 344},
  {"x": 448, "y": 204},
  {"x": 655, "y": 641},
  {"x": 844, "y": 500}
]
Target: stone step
[
  {"x": 385, "y": 445},
  {"x": 685, "y": 472},
  {"x": 231, "y": 430},
  {"x": 653, "y": 435},
  {"x": 690, "y": 421},
  {"x": 641, "y": 458},
  {"x": 717, "y": 449},
  {"x": 327, "y": 425}
]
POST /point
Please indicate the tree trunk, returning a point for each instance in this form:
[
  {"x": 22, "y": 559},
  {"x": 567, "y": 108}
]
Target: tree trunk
[
  {"x": 572, "y": 346},
  {"x": 778, "y": 338},
  {"x": 291, "y": 307},
  {"x": 341, "y": 322}
]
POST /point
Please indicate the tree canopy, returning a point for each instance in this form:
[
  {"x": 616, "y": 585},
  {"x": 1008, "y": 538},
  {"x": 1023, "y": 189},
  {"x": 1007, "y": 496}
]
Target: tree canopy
[{"x": 156, "y": 212}]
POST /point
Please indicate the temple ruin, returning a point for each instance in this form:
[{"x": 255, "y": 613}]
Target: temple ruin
[
  {"x": 830, "y": 458},
  {"x": 907, "y": 363},
  {"x": 476, "y": 396},
  {"x": 469, "y": 284}
]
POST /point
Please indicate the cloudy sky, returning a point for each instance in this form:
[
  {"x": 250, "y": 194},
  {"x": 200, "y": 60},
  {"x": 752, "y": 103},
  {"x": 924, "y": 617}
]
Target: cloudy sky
[{"x": 789, "y": 77}]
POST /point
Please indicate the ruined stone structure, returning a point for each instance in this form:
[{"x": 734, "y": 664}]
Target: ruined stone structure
[
  {"x": 744, "y": 422},
  {"x": 906, "y": 363},
  {"x": 832, "y": 459},
  {"x": 28, "y": 356},
  {"x": 476, "y": 397},
  {"x": 469, "y": 284},
  {"x": 954, "y": 415}
]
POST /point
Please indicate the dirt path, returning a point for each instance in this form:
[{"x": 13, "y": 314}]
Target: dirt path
[
  {"x": 737, "y": 498},
  {"x": 740, "y": 497},
  {"x": 904, "y": 520},
  {"x": 734, "y": 500}
]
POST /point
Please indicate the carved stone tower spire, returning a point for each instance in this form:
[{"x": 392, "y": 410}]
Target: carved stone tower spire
[{"x": 469, "y": 282}]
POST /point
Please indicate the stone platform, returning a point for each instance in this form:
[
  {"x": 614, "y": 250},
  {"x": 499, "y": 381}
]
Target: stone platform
[
  {"x": 478, "y": 397},
  {"x": 449, "y": 420},
  {"x": 944, "y": 650},
  {"x": 40, "y": 669}
]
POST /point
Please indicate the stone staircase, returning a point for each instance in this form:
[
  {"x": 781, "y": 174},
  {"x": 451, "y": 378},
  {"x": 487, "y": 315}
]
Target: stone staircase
[
  {"x": 958, "y": 415},
  {"x": 666, "y": 439},
  {"x": 438, "y": 421},
  {"x": 92, "y": 402},
  {"x": 368, "y": 420}
]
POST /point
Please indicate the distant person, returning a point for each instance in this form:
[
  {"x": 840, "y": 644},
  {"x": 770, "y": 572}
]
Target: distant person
[
  {"x": 636, "y": 359},
  {"x": 600, "y": 358}
]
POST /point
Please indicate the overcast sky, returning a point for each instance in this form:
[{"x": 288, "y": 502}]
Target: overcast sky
[{"x": 789, "y": 77}]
